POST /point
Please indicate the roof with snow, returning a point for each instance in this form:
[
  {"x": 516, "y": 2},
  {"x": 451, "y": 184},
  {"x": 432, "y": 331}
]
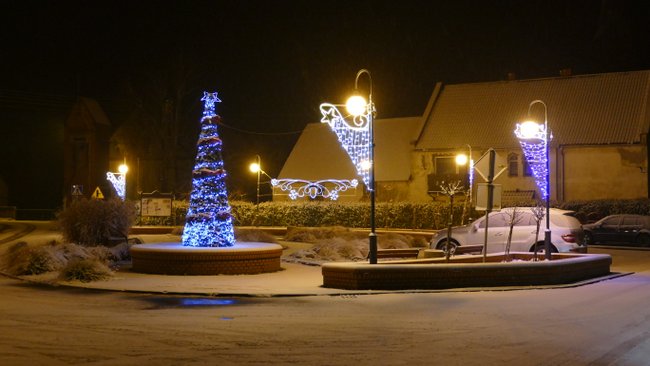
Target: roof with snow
[
  {"x": 318, "y": 155},
  {"x": 588, "y": 109}
]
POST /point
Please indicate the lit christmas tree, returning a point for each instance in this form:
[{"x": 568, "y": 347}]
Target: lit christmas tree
[{"x": 209, "y": 222}]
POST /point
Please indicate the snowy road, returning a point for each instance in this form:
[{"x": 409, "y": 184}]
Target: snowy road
[{"x": 606, "y": 323}]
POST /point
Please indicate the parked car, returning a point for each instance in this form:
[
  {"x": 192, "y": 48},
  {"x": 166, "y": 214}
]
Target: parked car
[
  {"x": 566, "y": 232},
  {"x": 619, "y": 229}
]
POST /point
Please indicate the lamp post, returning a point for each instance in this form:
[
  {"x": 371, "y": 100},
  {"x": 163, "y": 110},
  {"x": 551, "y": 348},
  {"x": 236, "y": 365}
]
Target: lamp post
[
  {"x": 534, "y": 139},
  {"x": 462, "y": 159},
  {"x": 256, "y": 167},
  {"x": 357, "y": 106}
]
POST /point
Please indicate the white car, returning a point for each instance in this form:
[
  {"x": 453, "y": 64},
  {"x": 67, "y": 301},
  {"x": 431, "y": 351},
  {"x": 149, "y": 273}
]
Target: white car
[{"x": 566, "y": 232}]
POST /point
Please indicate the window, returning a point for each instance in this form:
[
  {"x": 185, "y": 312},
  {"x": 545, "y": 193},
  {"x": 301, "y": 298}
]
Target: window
[
  {"x": 526, "y": 167},
  {"x": 445, "y": 171},
  {"x": 445, "y": 166},
  {"x": 513, "y": 165},
  {"x": 631, "y": 220}
]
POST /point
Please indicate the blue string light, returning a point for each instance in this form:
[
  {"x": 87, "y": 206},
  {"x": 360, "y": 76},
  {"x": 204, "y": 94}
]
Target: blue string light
[
  {"x": 209, "y": 220},
  {"x": 118, "y": 180},
  {"x": 535, "y": 151},
  {"x": 355, "y": 138}
]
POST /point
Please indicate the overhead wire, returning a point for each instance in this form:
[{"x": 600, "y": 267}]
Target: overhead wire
[{"x": 260, "y": 133}]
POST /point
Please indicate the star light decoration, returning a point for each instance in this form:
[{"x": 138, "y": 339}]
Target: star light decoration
[
  {"x": 208, "y": 220},
  {"x": 305, "y": 188},
  {"x": 354, "y": 138},
  {"x": 534, "y": 144}
]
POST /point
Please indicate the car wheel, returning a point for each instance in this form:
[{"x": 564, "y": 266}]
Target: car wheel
[
  {"x": 643, "y": 240},
  {"x": 442, "y": 244},
  {"x": 589, "y": 238},
  {"x": 540, "y": 248}
]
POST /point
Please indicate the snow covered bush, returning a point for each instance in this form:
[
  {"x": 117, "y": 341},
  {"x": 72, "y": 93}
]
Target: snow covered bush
[
  {"x": 22, "y": 259},
  {"x": 85, "y": 270},
  {"x": 254, "y": 235},
  {"x": 72, "y": 261},
  {"x": 95, "y": 222},
  {"x": 342, "y": 244}
]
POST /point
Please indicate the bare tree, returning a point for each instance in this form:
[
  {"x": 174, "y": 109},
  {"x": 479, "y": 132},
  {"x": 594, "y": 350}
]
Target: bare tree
[
  {"x": 539, "y": 211},
  {"x": 450, "y": 189},
  {"x": 514, "y": 217},
  {"x": 160, "y": 129}
]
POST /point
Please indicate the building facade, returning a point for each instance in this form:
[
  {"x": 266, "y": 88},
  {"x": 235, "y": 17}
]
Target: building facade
[{"x": 599, "y": 147}]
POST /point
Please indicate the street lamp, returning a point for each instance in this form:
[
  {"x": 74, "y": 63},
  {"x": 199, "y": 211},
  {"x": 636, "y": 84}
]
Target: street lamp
[
  {"x": 534, "y": 139},
  {"x": 461, "y": 160},
  {"x": 357, "y": 106},
  {"x": 256, "y": 167},
  {"x": 356, "y": 136}
]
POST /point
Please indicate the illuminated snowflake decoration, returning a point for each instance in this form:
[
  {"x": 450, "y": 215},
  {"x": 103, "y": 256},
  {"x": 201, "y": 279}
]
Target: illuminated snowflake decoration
[
  {"x": 118, "y": 180},
  {"x": 299, "y": 188},
  {"x": 209, "y": 221},
  {"x": 354, "y": 138},
  {"x": 536, "y": 153}
]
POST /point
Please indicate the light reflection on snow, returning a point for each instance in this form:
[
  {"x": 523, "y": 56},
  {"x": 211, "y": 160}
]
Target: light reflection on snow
[
  {"x": 206, "y": 302},
  {"x": 191, "y": 302}
]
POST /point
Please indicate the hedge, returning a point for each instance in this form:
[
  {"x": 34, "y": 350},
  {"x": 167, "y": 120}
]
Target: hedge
[
  {"x": 400, "y": 215},
  {"x": 406, "y": 215}
]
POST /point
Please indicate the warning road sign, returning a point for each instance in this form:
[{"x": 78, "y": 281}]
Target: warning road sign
[{"x": 97, "y": 194}]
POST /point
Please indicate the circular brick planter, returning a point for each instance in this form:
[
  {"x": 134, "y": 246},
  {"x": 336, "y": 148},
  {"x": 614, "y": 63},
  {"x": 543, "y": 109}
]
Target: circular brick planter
[{"x": 176, "y": 259}]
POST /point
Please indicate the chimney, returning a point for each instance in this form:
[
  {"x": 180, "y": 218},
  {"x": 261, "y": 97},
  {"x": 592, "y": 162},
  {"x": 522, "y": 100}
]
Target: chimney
[{"x": 565, "y": 72}]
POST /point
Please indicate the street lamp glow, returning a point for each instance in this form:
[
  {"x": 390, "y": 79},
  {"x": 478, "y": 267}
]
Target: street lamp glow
[
  {"x": 356, "y": 105},
  {"x": 461, "y": 159},
  {"x": 366, "y": 164},
  {"x": 255, "y": 167},
  {"x": 530, "y": 129},
  {"x": 123, "y": 168}
]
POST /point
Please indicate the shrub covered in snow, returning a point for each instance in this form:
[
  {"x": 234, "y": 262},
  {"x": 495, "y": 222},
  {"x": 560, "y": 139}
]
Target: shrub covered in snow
[
  {"x": 95, "y": 222},
  {"x": 85, "y": 270},
  {"x": 342, "y": 244},
  {"x": 254, "y": 235},
  {"x": 22, "y": 259}
]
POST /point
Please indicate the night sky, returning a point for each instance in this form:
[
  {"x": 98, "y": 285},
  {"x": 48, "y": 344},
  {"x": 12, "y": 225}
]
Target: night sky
[{"x": 274, "y": 62}]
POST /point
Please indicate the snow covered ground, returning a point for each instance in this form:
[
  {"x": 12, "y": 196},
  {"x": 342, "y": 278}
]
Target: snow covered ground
[{"x": 604, "y": 323}]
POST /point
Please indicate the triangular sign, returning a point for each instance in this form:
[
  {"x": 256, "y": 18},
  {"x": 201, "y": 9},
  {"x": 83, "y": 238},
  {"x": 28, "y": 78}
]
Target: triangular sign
[{"x": 98, "y": 195}]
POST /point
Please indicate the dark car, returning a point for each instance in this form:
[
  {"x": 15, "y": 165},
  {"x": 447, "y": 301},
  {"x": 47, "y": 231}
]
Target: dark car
[{"x": 619, "y": 229}]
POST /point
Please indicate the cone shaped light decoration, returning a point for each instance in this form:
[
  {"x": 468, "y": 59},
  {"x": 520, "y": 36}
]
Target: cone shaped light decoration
[{"x": 209, "y": 221}]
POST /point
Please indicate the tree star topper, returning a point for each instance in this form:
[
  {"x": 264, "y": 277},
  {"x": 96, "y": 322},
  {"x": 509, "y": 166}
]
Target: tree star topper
[{"x": 209, "y": 108}]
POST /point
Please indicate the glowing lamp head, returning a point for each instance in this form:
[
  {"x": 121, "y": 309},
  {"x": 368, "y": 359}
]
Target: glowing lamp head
[
  {"x": 123, "y": 168},
  {"x": 461, "y": 159},
  {"x": 356, "y": 105},
  {"x": 529, "y": 129},
  {"x": 255, "y": 168},
  {"x": 366, "y": 164}
]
